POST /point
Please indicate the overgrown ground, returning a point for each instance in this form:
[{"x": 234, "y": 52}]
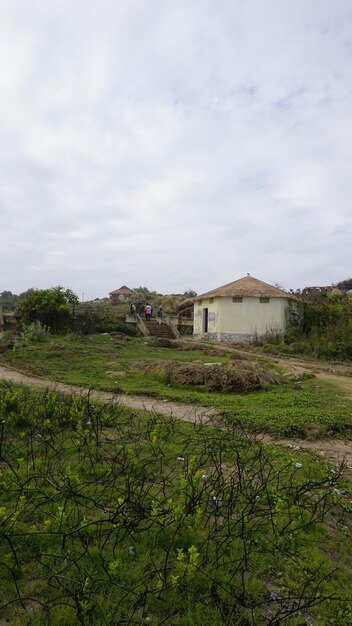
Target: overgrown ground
[
  {"x": 309, "y": 407},
  {"x": 109, "y": 516}
]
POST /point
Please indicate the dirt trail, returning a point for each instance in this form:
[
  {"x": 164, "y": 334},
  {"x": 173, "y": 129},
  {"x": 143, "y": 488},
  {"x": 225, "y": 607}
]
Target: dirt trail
[
  {"x": 333, "y": 371},
  {"x": 335, "y": 450},
  {"x": 181, "y": 411}
]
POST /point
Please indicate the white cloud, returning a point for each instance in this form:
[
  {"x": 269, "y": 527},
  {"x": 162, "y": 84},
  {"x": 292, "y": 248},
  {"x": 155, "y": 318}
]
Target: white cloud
[{"x": 174, "y": 144}]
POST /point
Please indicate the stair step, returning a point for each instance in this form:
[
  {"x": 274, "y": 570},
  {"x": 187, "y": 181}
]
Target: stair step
[{"x": 159, "y": 330}]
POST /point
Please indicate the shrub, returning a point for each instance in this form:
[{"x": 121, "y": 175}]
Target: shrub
[
  {"x": 51, "y": 307},
  {"x": 35, "y": 332},
  {"x": 320, "y": 325}
]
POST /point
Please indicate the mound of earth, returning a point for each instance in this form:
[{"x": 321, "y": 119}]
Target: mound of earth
[
  {"x": 162, "y": 342},
  {"x": 233, "y": 377}
]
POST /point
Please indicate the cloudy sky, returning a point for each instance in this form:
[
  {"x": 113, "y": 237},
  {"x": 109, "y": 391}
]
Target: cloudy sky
[{"x": 174, "y": 145}]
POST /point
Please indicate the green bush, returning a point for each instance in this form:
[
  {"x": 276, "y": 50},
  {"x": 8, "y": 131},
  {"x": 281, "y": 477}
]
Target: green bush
[
  {"x": 51, "y": 307},
  {"x": 35, "y": 332},
  {"x": 320, "y": 325}
]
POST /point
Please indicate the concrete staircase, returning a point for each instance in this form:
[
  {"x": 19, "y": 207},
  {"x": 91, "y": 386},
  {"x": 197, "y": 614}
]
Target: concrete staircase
[{"x": 159, "y": 330}]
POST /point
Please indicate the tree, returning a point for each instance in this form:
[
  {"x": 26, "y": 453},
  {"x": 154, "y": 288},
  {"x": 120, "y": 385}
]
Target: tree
[
  {"x": 8, "y": 299},
  {"x": 143, "y": 290},
  {"x": 52, "y": 307},
  {"x": 26, "y": 293},
  {"x": 190, "y": 293},
  {"x": 345, "y": 285}
]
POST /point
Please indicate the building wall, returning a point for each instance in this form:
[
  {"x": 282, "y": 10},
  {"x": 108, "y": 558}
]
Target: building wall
[
  {"x": 214, "y": 315},
  {"x": 236, "y": 321}
]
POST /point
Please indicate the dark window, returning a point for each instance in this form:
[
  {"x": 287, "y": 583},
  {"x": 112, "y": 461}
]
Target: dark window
[
  {"x": 264, "y": 300},
  {"x": 237, "y": 299}
]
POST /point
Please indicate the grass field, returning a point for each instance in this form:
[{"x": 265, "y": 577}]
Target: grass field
[
  {"x": 109, "y": 516},
  {"x": 118, "y": 364}
]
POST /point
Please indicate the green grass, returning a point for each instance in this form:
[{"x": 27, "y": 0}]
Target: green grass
[
  {"x": 109, "y": 516},
  {"x": 113, "y": 364}
]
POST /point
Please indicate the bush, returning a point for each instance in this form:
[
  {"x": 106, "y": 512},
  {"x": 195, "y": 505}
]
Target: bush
[
  {"x": 52, "y": 307},
  {"x": 33, "y": 333},
  {"x": 320, "y": 325}
]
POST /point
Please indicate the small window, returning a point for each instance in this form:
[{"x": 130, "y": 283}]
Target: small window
[
  {"x": 200, "y": 302},
  {"x": 211, "y": 300},
  {"x": 237, "y": 299},
  {"x": 264, "y": 300}
]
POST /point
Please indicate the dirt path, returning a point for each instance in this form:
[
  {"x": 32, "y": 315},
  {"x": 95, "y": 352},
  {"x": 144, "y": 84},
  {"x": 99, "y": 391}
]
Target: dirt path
[
  {"x": 339, "y": 373},
  {"x": 186, "y": 412},
  {"x": 335, "y": 450}
]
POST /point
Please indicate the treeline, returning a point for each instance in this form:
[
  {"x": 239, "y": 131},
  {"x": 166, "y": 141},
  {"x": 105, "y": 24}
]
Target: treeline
[
  {"x": 57, "y": 310},
  {"x": 9, "y": 300}
]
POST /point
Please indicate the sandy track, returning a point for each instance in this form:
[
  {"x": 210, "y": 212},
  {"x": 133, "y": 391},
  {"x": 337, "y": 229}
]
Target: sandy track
[
  {"x": 178, "y": 410},
  {"x": 335, "y": 450}
]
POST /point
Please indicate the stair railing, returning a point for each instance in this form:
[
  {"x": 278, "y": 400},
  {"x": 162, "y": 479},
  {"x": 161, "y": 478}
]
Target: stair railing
[
  {"x": 142, "y": 326},
  {"x": 173, "y": 327}
]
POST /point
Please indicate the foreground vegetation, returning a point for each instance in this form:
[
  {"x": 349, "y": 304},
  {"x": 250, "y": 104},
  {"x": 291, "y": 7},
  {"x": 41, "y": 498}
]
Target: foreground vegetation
[
  {"x": 119, "y": 364},
  {"x": 112, "y": 517}
]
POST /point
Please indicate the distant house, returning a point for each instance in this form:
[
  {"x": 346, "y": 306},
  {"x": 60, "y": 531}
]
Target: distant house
[
  {"x": 240, "y": 311},
  {"x": 120, "y": 295},
  {"x": 326, "y": 290}
]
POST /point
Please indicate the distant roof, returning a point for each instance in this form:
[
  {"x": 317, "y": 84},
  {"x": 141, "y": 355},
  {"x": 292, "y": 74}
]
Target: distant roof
[
  {"x": 246, "y": 286},
  {"x": 122, "y": 291}
]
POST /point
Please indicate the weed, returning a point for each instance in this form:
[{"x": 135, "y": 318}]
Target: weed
[{"x": 109, "y": 517}]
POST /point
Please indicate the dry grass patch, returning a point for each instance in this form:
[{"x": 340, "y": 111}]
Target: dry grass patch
[
  {"x": 232, "y": 377},
  {"x": 115, "y": 374}
]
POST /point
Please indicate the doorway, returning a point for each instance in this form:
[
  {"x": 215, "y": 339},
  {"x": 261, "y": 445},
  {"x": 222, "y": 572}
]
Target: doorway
[{"x": 205, "y": 320}]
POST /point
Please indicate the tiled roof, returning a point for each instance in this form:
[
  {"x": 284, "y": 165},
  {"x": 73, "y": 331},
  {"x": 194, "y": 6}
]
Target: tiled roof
[{"x": 246, "y": 286}]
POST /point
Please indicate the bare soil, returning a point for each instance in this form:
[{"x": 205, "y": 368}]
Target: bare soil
[
  {"x": 181, "y": 411},
  {"x": 335, "y": 450}
]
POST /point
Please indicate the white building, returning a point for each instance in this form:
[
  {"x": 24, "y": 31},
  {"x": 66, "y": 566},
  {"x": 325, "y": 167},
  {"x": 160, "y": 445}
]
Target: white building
[{"x": 240, "y": 311}]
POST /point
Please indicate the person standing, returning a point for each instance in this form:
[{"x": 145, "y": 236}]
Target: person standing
[
  {"x": 148, "y": 312},
  {"x": 133, "y": 310},
  {"x": 159, "y": 315}
]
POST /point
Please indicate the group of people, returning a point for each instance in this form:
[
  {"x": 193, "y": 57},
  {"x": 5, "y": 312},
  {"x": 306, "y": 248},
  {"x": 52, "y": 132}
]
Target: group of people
[{"x": 136, "y": 308}]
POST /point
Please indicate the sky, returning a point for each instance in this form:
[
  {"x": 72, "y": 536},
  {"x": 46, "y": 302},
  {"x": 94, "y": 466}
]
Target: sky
[{"x": 174, "y": 145}]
